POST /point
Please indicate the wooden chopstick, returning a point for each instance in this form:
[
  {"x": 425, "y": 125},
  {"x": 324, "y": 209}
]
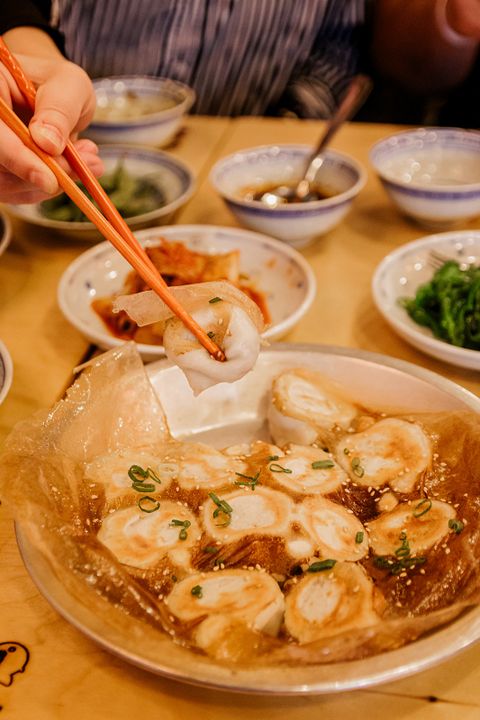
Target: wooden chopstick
[{"x": 112, "y": 226}]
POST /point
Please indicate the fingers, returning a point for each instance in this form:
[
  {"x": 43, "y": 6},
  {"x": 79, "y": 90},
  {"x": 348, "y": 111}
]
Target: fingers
[
  {"x": 21, "y": 162},
  {"x": 65, "y": 104},
  {"x": 16, "y": 190}
]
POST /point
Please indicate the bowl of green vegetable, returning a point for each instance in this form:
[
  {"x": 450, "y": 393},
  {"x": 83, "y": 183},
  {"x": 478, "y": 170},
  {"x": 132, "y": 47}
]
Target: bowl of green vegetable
[
  {"x": 429, "y": 293},
  {"x": 147, "y": 187}
]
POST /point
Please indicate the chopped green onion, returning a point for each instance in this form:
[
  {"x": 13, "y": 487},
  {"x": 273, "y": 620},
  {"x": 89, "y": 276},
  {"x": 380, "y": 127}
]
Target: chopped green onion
[
  {"x": 197, "y": 591},
  {"x": 346, "y": 451},
  {"x": 456, "y": 525},
  {"x": 215, "y": 300},
  {"x": 144, "y": 502},
  {"x": 211, "y": 549},
  {"x": 272, "y": 457},
  {"x": 250, "y": 480},
  {"x": 222, "y": 507},
  {"x": 139, "y": 478},
  {"x": 184, "y": 525},
  {"x": 357, "y": 468},
  {"x": 425, "y": 502},
  {"x": 275, "y": 467},
  {"x": 359, "y": 537},
  {"x": 322, "y": 464},
  {"x": 321, "y": 565},
  {"x": 142, "y": 487},
  {"x": 211, "y": 334},
  {"x": 402, "y": 560}
]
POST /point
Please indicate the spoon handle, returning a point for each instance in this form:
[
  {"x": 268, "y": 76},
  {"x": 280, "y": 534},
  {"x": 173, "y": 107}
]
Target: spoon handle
[{"x": 356, "y": 94}]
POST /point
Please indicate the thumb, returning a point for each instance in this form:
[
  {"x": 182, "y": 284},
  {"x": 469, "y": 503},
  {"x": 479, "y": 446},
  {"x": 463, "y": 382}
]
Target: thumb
[{"x": 64, "y": 104}]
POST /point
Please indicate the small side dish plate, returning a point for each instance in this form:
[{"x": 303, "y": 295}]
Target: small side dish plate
[
  {"x": 275, "y": 269},
  {"x": 235, "y": 413},
  {"x": 402, "y": 271},
  {"x": 6, "y": 372},
  {"x": 172, "y": 177}
]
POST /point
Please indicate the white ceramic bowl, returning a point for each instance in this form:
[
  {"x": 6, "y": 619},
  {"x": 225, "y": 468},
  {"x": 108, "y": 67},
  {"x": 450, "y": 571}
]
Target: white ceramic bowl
[
  {"x": 431, "y": 174},
  {"x": 5, "y": 231},
  {"x": 281, "y": 273},
  {"x": 295, "y": 223},
  {"x": 6, "y": 372},
  {"x": 402, "y": 271},
  {"x": 155, "y": 128},
  {"x": 172, "y": 177}
]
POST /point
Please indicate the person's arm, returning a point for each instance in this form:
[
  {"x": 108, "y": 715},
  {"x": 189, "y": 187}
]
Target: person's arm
[
  {"x": 316, "y": 89},
  {"x": 426, "y": 46},
  {"x": 64, "y": 106}
]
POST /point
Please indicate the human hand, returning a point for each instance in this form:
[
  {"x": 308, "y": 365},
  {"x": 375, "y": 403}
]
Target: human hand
[
  {"x": 65, "y": 104},
  {"x": 463, "y": 16}
]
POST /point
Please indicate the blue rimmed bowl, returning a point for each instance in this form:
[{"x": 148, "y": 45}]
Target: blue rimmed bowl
[
  {"x": 171, "y": 176},
  {"x": 139, "y": 109},
  {"x": 269, "y": 165},
  {"x": 431, "y": 174}
]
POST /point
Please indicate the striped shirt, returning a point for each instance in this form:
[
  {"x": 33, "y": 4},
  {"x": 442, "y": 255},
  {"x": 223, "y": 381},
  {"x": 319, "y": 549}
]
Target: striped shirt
[{"x": 242, "y": 57}]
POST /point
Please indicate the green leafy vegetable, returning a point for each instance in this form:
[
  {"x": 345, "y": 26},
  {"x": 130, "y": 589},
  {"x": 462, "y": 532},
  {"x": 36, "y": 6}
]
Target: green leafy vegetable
[
  {"x": 449, "y": 305},
  {"x": 130, "y": 195}
]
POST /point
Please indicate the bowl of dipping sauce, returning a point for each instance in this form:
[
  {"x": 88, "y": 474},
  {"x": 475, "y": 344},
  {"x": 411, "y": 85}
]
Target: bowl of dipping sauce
[
  {"x": 246, "y": 179},
  {"x": 431, "y": 174},
  {"x": 138, "y": 109}
]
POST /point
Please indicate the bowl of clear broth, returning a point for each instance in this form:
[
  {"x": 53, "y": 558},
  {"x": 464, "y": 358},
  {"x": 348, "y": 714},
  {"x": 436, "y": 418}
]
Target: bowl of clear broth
[
  {"x": 246, "y": 179},
  {"x": 141, "y": 110}
]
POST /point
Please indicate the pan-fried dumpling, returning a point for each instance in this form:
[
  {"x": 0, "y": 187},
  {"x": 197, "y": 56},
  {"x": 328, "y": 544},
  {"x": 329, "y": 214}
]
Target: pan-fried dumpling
[
  {"x": 231, "y": 318},
  {"x": 305, "y": 408}
]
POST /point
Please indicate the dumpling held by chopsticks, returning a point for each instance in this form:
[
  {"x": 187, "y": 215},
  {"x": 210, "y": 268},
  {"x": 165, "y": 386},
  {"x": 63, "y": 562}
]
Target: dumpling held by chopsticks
[{"x": 230, "y": 318}]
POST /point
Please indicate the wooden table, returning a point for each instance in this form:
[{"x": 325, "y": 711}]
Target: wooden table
[{"x": 67, "y": 675}]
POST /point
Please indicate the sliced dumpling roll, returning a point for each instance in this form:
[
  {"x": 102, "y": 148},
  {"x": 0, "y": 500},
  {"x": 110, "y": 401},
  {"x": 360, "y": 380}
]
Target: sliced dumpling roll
[
  {"x": 305, "y": 407},
  {"x": 233, "y": 515},
  {"x": 334, "y": 531},
  {"x": 204, "y": 467},
  {"x": 391, "y": 451},
  {"x": 330, "y": 602},
  {"x": 225, "y": 598},
  {"x": 111, "y": 470},
  {"x": 306, "y": 470},
  {"x": 141, "y": 539},
  {"x": 421, "y": 522}
]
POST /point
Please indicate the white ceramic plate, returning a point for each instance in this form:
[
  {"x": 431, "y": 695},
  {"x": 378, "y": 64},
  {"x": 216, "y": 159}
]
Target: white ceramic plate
[
  {"x": 276, "y": 269},
  {"x": 5, "y": 232},
  {"x": 402, "y": 271},
  {"x": 6, "y": 372},
  {"x": 171, "y": 175},
  {"x": 235, "y": 413}
]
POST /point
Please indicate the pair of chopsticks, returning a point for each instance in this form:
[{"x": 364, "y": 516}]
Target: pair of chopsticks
[{"x": 111, "y": 224}]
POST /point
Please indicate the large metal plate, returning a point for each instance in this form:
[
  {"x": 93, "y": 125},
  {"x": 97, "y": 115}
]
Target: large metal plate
[{"x": 233, "y": 413}]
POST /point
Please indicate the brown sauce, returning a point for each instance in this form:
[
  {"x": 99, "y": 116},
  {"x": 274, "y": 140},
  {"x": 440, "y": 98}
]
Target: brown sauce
[{"x": 317, "y": 192}]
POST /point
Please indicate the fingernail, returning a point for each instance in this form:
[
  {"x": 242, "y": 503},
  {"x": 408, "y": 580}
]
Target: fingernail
[
  {"x": 46, "y": 181},
  {"x": 50, "y": 133}
]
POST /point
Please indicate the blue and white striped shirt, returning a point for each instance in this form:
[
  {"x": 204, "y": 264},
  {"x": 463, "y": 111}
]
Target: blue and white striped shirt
[{"x": 242, "y": 57}]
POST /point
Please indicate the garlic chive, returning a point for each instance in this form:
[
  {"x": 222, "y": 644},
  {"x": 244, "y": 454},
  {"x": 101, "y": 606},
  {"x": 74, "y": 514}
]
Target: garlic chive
[
  {"x": 196, "y": 591},
  {"x": 322, "y": 464},
  {"x": 148, "y": 504},
  {"x": 422, "y": 507},
  {"x": 321, "y": 565},
  {"x": 456, "y": 525}
]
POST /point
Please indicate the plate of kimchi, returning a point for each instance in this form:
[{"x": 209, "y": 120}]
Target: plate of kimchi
[{"x": 271, "y": 273}]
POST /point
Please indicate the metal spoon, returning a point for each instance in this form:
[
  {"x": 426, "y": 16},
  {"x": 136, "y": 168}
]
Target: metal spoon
[{"x": 302, "y": 191}]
